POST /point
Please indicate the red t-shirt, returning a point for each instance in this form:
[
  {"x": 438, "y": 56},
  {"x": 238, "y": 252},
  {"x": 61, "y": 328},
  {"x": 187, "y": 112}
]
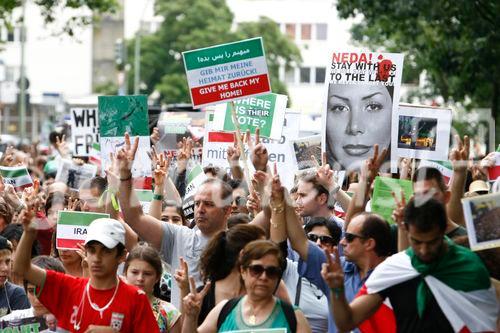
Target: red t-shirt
[{"x": 64, "y": 296}]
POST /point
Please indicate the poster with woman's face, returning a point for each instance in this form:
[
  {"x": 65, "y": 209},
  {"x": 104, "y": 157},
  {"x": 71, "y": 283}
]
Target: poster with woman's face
[{"x": 362, "y": 95}]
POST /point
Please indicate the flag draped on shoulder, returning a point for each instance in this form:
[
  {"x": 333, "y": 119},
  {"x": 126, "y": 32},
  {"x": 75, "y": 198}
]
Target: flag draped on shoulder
[{"x": 458, "y": 281}]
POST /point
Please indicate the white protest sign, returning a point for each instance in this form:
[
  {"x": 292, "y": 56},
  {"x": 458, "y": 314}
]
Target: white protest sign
[
  {"x": 421, "y": 132},
  {"x": 194, "y": 179},
  {"x": 74, "y": 175},
  {"x": 215, "y": 145},
  {"x": 84, "y": 129},
  {"x": 482, "y": 216},
  {"x": 72, "y": 228}
]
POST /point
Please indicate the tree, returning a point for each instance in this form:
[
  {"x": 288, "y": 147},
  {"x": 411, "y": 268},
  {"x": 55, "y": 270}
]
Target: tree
[
  {"x": 191, "y": 24},
  {"x": 456, "y": 42},
  {"x": 50, "y": 10}
]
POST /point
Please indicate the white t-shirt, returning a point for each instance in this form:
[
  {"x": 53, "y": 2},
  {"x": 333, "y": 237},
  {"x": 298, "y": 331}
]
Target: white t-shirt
[
  {"x": 313, "y": 301},
  {"x": 180, "y": 241}
]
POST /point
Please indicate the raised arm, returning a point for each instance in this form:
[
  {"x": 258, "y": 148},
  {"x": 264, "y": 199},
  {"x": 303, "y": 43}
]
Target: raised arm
[
  {"x": 160, "y": 173},
  {"x": 459, "y": 157},
  {"x": 233, "y": 158},
  {"x": 147, "y": 227}
]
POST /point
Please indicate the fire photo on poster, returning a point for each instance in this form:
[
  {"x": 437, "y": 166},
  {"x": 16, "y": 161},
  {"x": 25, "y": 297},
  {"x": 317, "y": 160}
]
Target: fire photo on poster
[
  {"x": 482, "y": 214},
  {"x": 417, "y": 133}
]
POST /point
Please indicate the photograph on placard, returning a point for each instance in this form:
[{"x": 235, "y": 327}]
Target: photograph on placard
[
  {"x": 304, "y": 148},
  {"x": 362, "y": 94},
  {"x": 482, "y": 216},
  {"x": 417, "y": 133}
]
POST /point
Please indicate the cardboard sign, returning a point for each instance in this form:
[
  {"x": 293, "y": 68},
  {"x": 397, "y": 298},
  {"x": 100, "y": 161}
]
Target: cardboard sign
[
  {"x": 19, "y": 177},
  {"x": 194, "y": 179},
  {"x": 72, "y": 228},
  {"x": 421, "y": 132},
  {"x": 120, "y": 114},
  {"x": 74, "y": 175},
  {"x": 382, "y": 201},
  {"x": 84, "y": 130},
  {"x": 266, "y": 112},
  {"x": 215, "y": 145},
  {"x": 226, "y": 72},
  {"x": 361, "y": 96},
  {"x": 482, "y": 216}
]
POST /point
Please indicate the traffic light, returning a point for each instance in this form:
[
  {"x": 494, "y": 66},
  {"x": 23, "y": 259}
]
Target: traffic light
[{"x": 119, "y": 53}]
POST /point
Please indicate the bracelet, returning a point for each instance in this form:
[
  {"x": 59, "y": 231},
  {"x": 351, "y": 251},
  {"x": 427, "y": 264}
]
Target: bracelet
[
  {"x": 157, "y": 197},
  {"x": 337, "y": 291},
  {"x": 278, "y": 208},
  {"x": 128, "y": 178}
]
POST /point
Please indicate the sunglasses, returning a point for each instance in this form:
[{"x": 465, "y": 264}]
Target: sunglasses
[
  {"x": 272, "y": 272},
  {"x": 351, "y": 237},
  {"x": 323, "y": 239}
]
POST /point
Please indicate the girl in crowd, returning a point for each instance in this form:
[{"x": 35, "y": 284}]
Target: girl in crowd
[{"x": 143, "y": 269}]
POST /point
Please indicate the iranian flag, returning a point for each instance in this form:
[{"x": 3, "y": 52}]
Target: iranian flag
[
  {"x": 458, "y": 281},
  {"x": 95, "y": 154},
  {"x": 444, "y": 167},
  {"x": 72, "y": 228},
  {"x": 18, "y": 177}
]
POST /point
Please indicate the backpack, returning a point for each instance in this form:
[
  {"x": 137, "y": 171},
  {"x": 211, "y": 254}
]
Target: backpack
[{"x": 287, "y": 310}]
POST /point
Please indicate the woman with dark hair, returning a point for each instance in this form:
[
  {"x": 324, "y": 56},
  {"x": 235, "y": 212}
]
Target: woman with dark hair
[
  {"x": 260, "y": 269},
  {"x": 173, "y": 213},
  {"x": 143, "y": 269}
]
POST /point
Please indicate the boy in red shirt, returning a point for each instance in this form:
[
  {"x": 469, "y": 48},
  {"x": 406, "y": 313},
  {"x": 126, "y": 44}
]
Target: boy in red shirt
[{"x": 101, "y": 303}]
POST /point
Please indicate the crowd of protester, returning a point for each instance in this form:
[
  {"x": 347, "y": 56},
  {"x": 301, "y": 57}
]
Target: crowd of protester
[{"x": 256, "y": 255}]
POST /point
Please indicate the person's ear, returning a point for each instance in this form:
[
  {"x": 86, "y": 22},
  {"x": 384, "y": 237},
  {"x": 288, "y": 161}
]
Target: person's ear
[
  {"x": 370, "y": 244},
  {"x": 447, "y": 197},
  {"x": 323, "y": 198}
]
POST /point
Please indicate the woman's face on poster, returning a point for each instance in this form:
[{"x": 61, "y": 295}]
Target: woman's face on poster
[{"x": 357, "y": 118}]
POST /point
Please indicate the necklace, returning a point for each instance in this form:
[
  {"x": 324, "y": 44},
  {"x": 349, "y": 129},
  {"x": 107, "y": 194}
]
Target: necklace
[
  {"x": 94, "y": 305},
  {"x": 252, "y": 320}
]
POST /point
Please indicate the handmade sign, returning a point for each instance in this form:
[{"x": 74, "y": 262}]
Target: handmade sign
[
  {"x": 382, "y": 201},
  {"x": 226, "y": 72},
  {"x": 194, "y": 179},
  {"x": 362, "y": 94},
  {"x": 74, "y": 175},
  {"x": 84, "y": 130},
  {"x": 482, "y": 216},
  {"x": 18, "y": 176},
  {"x": 421, "y": 132},
  {"x": 72, "y": 228},
  {"x": 120, "y": 114}
]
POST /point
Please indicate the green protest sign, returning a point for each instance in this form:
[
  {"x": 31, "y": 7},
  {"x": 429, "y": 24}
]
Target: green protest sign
[
  {"x": 120, "y": 114},
  {"x": 382, "y": 201},
  {"x": 266, "y": 112}
]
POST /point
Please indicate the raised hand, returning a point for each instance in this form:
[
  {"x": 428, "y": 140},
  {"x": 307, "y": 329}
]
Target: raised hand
[
  {"x": 73, "y": 203},
  {"x": 234, "y": 153},
  {"x": 277, "y": 190},
  {"x": 192, "y": 302},
  {"x": 160, "y": 170},
  {"x": 85, "y": 264},
  {"x": 331, "y": 271},
  {"x": 459, "y": 156},
  {"x": 62, "y": 146},
  {"x": 181, "y": 276},
  {"x": 125, "y": 157},
  {"x": 155, "y": 136},
  {"x": 399, "y": 212},
  {"x": 253, "y": 202},
  {"x": 371, "y": 166},
  {"x": 8, "y": 157},
  {"x": 324, "y": 174},
  {"x": 259, "y": 181},
  {"x": 184, "y": 154},
  {"x": 258, "y": 152}
]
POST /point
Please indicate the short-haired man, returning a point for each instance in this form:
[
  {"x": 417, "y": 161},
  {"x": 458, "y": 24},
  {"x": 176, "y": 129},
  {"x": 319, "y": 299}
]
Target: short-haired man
[
  {"x": 12, "y": 297},
  {"x": 101, "y": 302},
  {"x": 433, "y": 286}
]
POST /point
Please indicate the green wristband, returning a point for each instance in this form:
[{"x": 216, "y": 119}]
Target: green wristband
[
  {"x": 157, "y": 197},
  {"x": 337, "y": 291}
]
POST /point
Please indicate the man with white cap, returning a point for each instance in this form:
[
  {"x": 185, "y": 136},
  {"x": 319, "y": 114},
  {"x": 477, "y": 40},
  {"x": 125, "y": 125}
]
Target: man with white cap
[{"x": 101, "y": 303}]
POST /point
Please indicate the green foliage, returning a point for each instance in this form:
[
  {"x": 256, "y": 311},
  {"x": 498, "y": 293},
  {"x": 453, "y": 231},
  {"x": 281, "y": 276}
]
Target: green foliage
[
  {"x": 456, "y": 42},
  {"x": 106, "y": 88},
  {"x": 192, "y": 24}
]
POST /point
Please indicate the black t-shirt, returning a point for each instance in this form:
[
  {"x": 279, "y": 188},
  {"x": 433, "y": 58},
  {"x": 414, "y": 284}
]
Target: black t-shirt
[{"x": 403, "y": 299}]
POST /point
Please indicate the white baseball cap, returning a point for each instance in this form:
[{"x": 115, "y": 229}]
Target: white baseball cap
[{"x": 107, "y": 231}]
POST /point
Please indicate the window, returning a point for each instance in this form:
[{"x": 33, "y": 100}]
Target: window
[
  {"x": 306, "y": 31},
  {"x": 305, "y": 75},
  {"x": 290, "y": 75},
  {"x": 320, "y": 74},
  {"x": 321, "y": 31},
  {"x": 290, "y": 30},
  {"x": 10, "y": 35}
]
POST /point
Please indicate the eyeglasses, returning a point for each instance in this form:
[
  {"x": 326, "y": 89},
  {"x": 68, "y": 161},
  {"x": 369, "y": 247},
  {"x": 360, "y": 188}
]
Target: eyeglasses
[
  {"x": 240, "y": 201},
  {"x": 351, "y": 237},
  {"x": 272, "y": 272},
  {"x": 327, "y": 240}
]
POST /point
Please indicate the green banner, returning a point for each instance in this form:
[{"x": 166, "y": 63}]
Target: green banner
[
  {"x": 120, "y": 114},
  {"x": 382, "y": 201},
  {"x": 78, "y": 218}
]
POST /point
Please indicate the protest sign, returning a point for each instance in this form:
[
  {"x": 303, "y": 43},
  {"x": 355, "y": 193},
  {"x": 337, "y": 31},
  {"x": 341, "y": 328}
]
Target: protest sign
[
  {"x": 362, "y": 94},
  {"x": 444, "y": 167},
  {"x": 215, "y": 146},
  {"x": 266, "y": 112},
  {"x": 23, "y": 325},
  {"x": 382, "y": 201},
  {"x": 145, "y": 197},
  {"x": 303, "y": 150},
  {"x": 482, "y": 216},
  {"x": 84, "y": 130},
  {"x": 226, "y": 72},
  {"x": 194, "y": 179},
  {"x": 73, "y": 174},
  {"x": 95, "y": 154},
  {"x": 120, "y": 114},
  {"x": 18, "y": 177},
  {"x": 422, "y": 132},
  {"x": 72, "y": 228},
  {"x": 494, "y": 171}
]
